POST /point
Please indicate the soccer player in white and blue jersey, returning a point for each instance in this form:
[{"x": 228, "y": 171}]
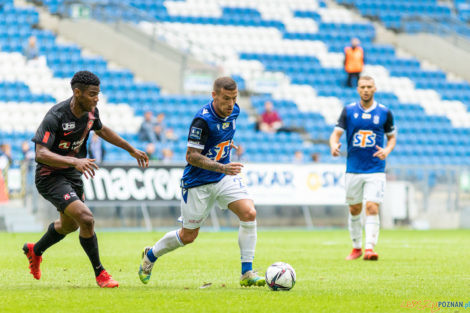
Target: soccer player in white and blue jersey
[
  {"x": 210, "y": 178},
  {"x": 366, "y": 124}
]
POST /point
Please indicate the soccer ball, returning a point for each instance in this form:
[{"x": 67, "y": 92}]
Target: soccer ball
[{"x": 280, "y": 276}]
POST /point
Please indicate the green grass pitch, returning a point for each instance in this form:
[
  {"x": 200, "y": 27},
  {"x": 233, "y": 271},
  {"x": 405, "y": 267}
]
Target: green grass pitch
[{"x": 413, "y": 265}]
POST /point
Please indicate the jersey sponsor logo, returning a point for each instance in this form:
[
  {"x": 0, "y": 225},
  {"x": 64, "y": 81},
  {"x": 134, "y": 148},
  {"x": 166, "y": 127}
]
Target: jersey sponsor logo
[
  {"x": 364, "y": 139},
  {"x": 376, "y": 119},
  {"x": 366, "y": 116},
  {"x": 64, "y": 144},
  {"x": 77, "y": 144},
  {"x": 67, "y": 197},
  {"x": 195, "y": 133},
  {"x": 45, "y": 139},
  {"x": 225, "y": 125},
  {"x": 68, "y": 126},
  {"x": 220, "y": 151},
  {"x": 67, "y": 133}
]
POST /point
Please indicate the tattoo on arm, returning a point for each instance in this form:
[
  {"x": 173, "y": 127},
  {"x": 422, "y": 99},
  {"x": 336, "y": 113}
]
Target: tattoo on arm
[{"x": 195, "y": 158}]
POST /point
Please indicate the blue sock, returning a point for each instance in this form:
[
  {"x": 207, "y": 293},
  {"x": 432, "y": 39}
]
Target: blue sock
[
  {"x": 151, "y": 256},
  {"x": 246, "y": 266}
]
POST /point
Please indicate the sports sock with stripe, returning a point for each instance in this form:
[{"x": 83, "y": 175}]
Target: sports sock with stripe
[{"x": 167, "y": 243}]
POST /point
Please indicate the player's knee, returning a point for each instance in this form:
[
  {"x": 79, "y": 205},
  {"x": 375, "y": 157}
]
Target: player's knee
[
  {"x": 87, "y": 221},
  {"x": 248, "y": 215},
  {"x": 372, "y": 208},
  {"x": 188, "y": 237},
  {"x": 355, "y": 209}
]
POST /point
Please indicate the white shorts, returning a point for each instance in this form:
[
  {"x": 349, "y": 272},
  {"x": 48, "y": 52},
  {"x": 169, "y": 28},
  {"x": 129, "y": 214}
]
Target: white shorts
[
  {"x": 365, "y": 187},
  {"x": 199, "y": 201}
]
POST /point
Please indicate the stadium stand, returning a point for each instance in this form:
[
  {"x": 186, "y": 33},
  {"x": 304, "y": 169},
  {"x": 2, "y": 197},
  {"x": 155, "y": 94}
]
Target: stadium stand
[
  {"x": 416, "y": 16},
  {"x": 286, "y": 52},
  {"x": 463, "y": 9}
]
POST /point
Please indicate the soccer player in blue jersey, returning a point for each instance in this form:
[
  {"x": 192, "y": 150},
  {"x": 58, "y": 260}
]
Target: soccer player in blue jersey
[
  {"x": 209, "y": 178},
  {"x": 366, "y": 124}
]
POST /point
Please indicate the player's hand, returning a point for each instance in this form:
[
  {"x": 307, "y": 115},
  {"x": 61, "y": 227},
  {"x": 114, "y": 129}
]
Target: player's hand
[
  {"x": 232, "y": 168},
  {"x": 381, "y": 153},
  {"x": 87, "y": 167},
  {"x": 141, "y": 158},
  {"x": 335, "y": 149}
]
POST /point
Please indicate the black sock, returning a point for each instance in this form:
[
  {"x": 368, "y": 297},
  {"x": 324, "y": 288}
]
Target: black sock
[
  {"x": 50, "y": 238},
  {"x": 90, "y": 245}
]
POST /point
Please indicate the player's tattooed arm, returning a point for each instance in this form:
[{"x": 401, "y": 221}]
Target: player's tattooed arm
[{"x": 195, "y": 158}]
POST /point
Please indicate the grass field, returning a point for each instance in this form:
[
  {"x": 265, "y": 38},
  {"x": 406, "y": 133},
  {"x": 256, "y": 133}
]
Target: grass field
[{"x": 413, "y": 265}]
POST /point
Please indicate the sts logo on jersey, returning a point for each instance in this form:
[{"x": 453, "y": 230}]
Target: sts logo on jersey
[
  {"x": 220, "y": 151},
  {"x": 364, "y": 139}
]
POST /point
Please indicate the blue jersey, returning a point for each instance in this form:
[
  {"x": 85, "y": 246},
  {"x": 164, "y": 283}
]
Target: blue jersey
[
  {"x": 213, "y": 135},
  {"x": 365, "y": 129}
]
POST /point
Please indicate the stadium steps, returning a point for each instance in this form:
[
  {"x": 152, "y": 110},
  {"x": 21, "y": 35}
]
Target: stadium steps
[
  {"x": 18, "y": 219},
  {"x": 432, "y": 48},
  {"x": 157, "y": 61}
]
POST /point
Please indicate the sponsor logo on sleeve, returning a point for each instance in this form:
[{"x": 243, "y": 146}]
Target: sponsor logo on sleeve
[
  {"x": 45, "y": 139},
  {"x": 195, "y": 133}
]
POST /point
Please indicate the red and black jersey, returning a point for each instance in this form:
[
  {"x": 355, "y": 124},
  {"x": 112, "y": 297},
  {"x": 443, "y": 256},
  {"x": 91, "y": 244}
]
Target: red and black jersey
[{"x": 65, "y": 134}]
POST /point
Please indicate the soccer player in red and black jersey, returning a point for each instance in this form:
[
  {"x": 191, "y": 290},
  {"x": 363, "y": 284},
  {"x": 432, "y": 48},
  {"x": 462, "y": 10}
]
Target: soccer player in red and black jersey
[{"x": 61, "y": 160}]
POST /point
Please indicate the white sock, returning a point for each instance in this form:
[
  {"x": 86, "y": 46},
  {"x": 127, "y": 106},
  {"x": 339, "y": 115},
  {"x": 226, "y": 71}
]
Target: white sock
[
  {"x": 247, "y": 240},
  {"x": 167, "y": 243},
  {"x": 372, "y": 230},
  {"x": 355, "y": 230}
]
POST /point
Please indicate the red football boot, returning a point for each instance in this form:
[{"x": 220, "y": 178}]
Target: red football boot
[
  {"x": 370, "y": 255},
  {"x": 104, "y": 280},
  {"x": 34, "y": 260},
  {"x": 355, "y": 254}
]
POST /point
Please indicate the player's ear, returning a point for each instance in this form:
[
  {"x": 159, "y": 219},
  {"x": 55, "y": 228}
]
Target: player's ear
[
  {"x": 214, "y": 94},
  {"x": 77, "y": 92}
]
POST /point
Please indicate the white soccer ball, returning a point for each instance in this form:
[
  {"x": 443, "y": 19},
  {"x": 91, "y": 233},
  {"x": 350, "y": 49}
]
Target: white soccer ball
[{"x": 280, "y": 276}]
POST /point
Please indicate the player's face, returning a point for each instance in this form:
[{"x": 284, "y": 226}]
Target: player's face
[
  {"x": 366, "y": 89},
  {"x": 88, "y": 99},
  {"x": 224, "y": 101}
]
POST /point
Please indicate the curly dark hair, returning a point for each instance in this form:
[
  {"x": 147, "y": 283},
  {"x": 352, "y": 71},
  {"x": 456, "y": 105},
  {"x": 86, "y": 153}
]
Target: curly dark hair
[{"x": 83, "y": 79}]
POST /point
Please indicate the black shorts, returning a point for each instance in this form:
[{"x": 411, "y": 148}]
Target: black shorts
[{"x": 60, "y": 190}]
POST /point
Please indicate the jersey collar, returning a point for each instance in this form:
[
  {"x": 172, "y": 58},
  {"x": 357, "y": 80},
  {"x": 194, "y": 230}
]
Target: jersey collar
[{"x": 373, "y": 106}]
